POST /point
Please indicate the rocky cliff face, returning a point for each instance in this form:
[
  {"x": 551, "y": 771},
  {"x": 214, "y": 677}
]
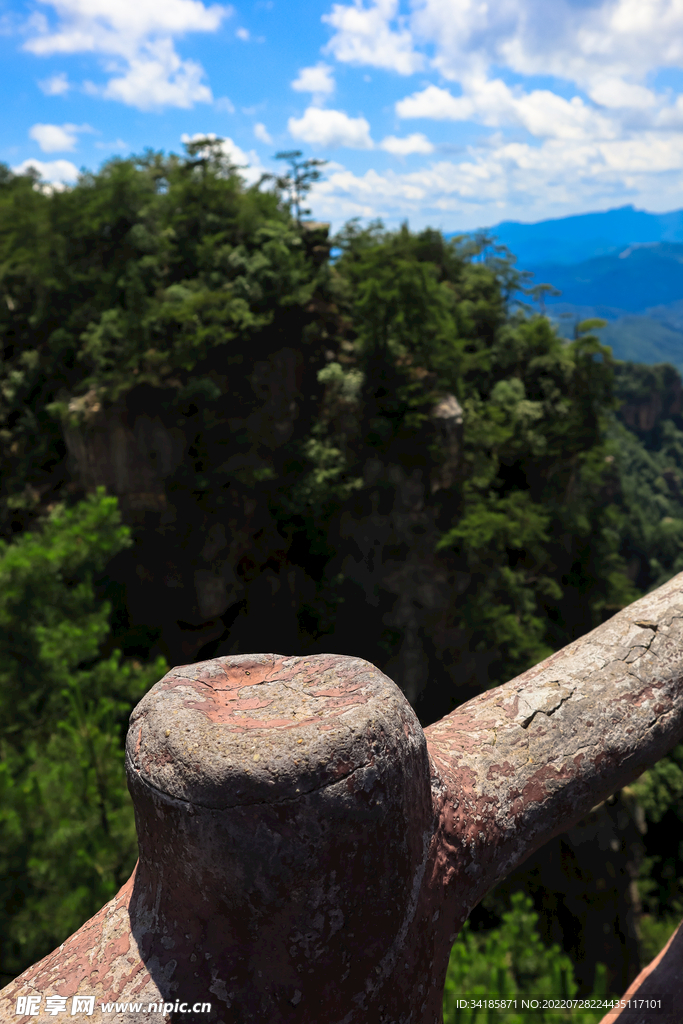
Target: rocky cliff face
[
  {"x": 194, "y": 561},
  {"x": 649, "y": 395},
  {"x": 213, "y": 580},
  {"x": 130, "y": 455}
]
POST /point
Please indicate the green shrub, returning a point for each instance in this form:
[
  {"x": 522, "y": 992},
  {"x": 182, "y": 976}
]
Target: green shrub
[
  {"x": 512, "y": 963},
  {"x": 67, "y": 832}
]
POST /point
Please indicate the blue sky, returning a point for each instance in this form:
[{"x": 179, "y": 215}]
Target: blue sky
[{"x": 453, "y": 113}]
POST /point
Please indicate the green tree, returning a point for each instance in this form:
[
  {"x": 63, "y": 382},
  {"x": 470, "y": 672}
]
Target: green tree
[
  {"x": 151, "y": 271},
  {"x": 297, "y": 183},
  {"x": 510, "y": 963},
  {"x": 526, "y": 523},
  {"x": 67, "y": 835}
]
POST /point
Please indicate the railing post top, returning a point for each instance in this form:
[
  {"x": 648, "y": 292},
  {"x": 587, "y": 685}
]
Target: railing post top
[{"x": 252, "y": 728}]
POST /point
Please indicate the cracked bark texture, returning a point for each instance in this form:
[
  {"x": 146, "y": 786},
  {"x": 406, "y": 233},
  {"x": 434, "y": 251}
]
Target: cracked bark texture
[{"x": 308, "y": 853}]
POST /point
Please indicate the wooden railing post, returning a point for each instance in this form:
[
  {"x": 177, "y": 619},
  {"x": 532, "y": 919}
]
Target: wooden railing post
[
  {"x": 308, "y": 854},
  {"x": 657, "y": 993}
]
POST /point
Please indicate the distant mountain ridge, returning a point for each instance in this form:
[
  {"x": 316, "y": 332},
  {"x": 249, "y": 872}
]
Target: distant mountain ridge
[
  {"x": 624, "y": 265},
  {"x": 642, "y": 275},
  {"x": 585, "y": 236}
]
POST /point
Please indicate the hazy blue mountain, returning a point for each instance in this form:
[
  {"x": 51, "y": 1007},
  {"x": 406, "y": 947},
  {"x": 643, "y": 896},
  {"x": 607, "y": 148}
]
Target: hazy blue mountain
[
  {"x": 639, "y": 291},
  {"x": 624, "y": 265},
  {"x": 587, "y": 235},
  {"x": 641, "y": 339},
  {"x": 638, "y": 339},
  {"x": 641, "y": 275}
]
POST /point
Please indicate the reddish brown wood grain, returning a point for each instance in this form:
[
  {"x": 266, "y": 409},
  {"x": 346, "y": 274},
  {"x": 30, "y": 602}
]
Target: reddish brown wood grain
[
  {"x": 661, "y": 978},
  {"x": 308, "y": 854}
]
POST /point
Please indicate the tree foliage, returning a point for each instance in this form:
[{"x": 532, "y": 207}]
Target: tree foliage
[
  {"x": 525, "y": 524},
  {"x": 133, "y": 277},
  {"x": 67, "y": 838},
  {"x": 511, "y": 963}
]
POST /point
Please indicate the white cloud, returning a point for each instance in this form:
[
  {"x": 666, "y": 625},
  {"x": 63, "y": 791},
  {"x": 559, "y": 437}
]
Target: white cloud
[
  {"x": 54, "y": 172},
  {"x": 493, "y": 103},
  {"x": 331, "y": 128},
  {"x": 261, "y": 133},
  {"x": 586, "y": 43},
  {"x": 120, "y": 26},
  {"x": 136, "y": 38},
  {"x": 607, "y": 48},
  {"x": 512, "y": 180},
  {"x": 243, "y": 34},
  {"x": 415, "y": 143},
  {"x": 53, "y": 138},
  {"x": 58, "y": 85},
  {"x": 317, "y": 80},
  {"x": 373, "y": 35},
  {"x": 224, "y": 104},
  {"x": 605, "y": 134},
  {"x": 159, "y": 78},
  {"x": 616, "y": 94},
  {"x": 431, "y": 102}
]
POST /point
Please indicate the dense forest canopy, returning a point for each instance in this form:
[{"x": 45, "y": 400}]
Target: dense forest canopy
[{"x": 375, "y": 453}]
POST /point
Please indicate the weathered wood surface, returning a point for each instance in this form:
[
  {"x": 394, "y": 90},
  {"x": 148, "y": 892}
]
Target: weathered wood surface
[
  {"x": 662, "y": 977},
  {"x": 309, "y": 854}
]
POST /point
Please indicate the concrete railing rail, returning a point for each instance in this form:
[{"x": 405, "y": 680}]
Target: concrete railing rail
[{"x": 309, "y": 854}]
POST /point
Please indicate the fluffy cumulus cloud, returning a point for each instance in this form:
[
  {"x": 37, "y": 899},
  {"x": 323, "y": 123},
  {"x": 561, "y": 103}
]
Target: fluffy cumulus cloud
[
  {"x": 494, "y": 104},
  {"x": 57, "y": 85},
  {"x": 54, "y": 138},
  {"x": 136, "y": 39},
  {"x": 607, "y": 49},
  {"x": 415, "y": 143},
  {"x": 317, "y": 80},
  {"x": 55, "y": 173},
  {"x": 262, "y": 133},
  {"x": 604, "y": 45},
  {"x": 330, "y": 128},
  {"x": 524, "y": 181},
  {"x": 595, "y": 45},
  {"x": 373, "y": 36},
  {"x": 158, "y": 78},
  {"x": 598, "y": 130}
]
